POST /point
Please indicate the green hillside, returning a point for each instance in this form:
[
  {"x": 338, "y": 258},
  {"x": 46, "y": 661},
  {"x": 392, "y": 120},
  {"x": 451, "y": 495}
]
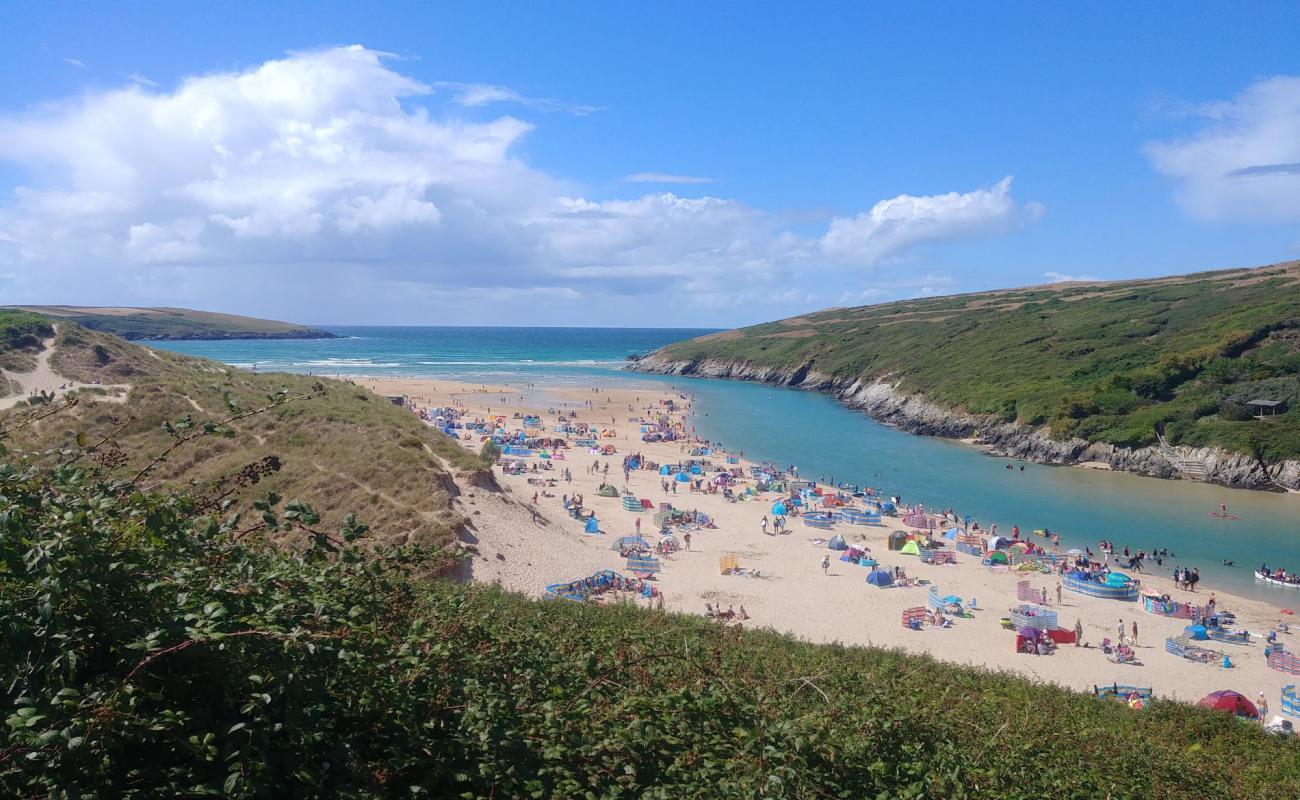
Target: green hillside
[
  {"x": 341, "y": 447},
  {"x": 150, "y": 649},
  {"x": 1106, "y": 362},
  {"x": 174, "y": 323}
]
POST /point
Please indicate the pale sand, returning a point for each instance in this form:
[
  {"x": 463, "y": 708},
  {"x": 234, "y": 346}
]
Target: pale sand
[
  {"x": 793, "y": 596},
  {"x": 43, "y": 378}
]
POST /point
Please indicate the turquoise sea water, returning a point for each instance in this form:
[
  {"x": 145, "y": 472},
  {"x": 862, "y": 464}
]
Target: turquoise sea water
[{"x": 827, "y": 440}]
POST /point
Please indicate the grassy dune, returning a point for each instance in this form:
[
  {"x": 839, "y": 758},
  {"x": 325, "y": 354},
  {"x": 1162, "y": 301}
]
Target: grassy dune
[
  {"x": 344, "y": 449},
  {"x": 1106, "y": 362}
]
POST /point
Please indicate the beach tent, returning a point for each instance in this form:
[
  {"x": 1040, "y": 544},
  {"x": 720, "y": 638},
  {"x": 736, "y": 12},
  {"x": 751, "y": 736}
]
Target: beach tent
[
  {"x": 779, "y": 508},
  {"x": 880, "y": 578},
  {"x": 897, "y": 539},
  {"x": 664, "y": 470},
  {"x": 998, "y": 542},
  {"x": 1231, "y": 702},
  {"x": 592, "y": 525},
  {"x": 837, "y": 543},
  {"x": 695, "y": 470},
  {"x": 628, "y": 542},
  {"x": 1197, "y": 632},
  {"x": 631, "y": 504},
  {"x": 607, "y": 491},
  {"x": 682, "y": 477},
  {"x": 995, "y": 557},
  {"x": 951, "y": 533},
  {"x": 910, "y": 548},
  {"x": 888, "y": 508}
]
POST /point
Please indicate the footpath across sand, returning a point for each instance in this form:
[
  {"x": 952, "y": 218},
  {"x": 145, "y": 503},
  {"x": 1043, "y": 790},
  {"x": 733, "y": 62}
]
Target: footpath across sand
[{"x": 793, "y": 595}]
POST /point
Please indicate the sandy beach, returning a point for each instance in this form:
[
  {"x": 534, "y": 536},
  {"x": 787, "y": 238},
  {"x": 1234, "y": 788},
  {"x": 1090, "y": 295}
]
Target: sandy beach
[{"x": 793, "y": 595}]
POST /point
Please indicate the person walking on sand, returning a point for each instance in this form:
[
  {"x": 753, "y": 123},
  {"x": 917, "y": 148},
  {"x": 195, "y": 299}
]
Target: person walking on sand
[
  {"x": 1078, "y": 633},
  {"x": 1058, "y": 593},
  {"x": 1134, "y": 639},
  {"x": 687, "y": 539},
  {"x": 638, "y": 526},
  {"x": 1120, "y": 628},
  {"x": 826, "y": 565},
  {"x": 763, "y": 524},
  {"x": 1262, "y": 706}
]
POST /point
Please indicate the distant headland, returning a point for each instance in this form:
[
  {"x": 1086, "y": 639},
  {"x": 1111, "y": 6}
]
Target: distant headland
[{"x": 153, "y": 324}]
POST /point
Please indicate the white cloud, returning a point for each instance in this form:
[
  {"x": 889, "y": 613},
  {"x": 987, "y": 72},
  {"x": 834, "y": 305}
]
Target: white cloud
[
  {"x": 318, "y": 180},
  {"x": 473, "y": 95},
  {"x": 75, "y": 62},
  {"x": 665, "y": 177},
  {"x": 135, "y": 77},
  {"x": 904, "y": 221},
  {"x": 1244, "y": 162},
  {"x": 1061, "y": 277}
]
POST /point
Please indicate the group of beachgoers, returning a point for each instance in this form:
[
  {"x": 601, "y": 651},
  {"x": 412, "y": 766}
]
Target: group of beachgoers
[
  {"x": 730, "y": 615},
  {"x": 1280, "y": 575}
]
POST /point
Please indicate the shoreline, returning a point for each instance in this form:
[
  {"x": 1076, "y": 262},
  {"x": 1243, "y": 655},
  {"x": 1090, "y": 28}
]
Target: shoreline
[
  {"x": 793, "y": 596},
  {"x": 913, "y": 414}
]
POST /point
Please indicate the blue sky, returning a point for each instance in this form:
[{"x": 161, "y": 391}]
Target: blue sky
[{"x": 470, "y": 163}]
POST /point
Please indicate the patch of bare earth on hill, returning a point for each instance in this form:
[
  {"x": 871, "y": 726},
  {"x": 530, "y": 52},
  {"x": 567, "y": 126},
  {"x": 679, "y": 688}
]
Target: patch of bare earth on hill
[
  {"x": 43, "y": 381},
  {"x": 802, "y": 333},
  {"x": 722, "y": 336}
]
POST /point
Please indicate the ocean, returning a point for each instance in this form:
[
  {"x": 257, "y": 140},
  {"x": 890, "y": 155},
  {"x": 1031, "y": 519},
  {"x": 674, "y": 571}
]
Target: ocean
[{"x": 827, "y": 440}]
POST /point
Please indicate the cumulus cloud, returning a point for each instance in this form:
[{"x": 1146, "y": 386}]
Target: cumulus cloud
[
  {"x": 319, "y": 180},
  {"x": 1244, "y": 160},
  {"x": 75, "y": 62},
  {"x": 666, "y": 177},
  {"x": 904, "y": 221}
]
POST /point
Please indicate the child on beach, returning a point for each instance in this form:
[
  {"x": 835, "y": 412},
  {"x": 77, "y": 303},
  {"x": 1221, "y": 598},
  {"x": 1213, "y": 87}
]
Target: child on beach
[{"x": 826, "y": 564}]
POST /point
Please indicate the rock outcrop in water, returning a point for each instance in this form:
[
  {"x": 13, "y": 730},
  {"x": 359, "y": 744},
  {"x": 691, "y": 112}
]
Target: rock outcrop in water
[{"x": 879, "y": 398}]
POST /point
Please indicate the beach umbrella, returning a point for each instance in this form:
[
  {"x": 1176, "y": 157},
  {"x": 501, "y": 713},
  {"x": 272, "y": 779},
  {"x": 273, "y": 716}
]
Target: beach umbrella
[
  {"x": 1030, "y": 633},
  {"x": 1231, "y": 702}
]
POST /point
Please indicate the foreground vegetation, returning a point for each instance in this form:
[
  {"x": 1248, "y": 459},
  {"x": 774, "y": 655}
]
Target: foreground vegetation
[
  {"x": 1106, "y": 362},
  {"x": 175, "y": 323},
  {"x": 155, "y": 645}
]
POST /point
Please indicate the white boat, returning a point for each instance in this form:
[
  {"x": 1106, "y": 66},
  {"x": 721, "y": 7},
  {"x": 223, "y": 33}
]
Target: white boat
[{"x": 1266, "y": 578}]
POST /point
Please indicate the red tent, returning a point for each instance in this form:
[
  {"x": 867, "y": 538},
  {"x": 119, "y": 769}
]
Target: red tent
[{"x": 1232, "y": 702}]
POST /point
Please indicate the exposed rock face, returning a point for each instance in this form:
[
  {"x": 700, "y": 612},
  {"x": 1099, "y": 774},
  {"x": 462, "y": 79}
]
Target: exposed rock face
[{"x": 881, "y": 400}]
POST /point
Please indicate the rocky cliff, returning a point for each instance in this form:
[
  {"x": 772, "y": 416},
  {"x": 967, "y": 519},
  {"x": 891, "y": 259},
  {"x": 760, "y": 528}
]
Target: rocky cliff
[{"x": 880, "y": 399}]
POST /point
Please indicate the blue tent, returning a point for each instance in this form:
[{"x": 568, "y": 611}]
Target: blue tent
[
  {"x": 796, "y": 502},
  {"x": 696, "y": 471},
  {"x": 664, "y": 470},
  {"x": 682, "y": 477},
  {"x": 1197, "y": 632},
  {"x": 592, "y": 525},
  {"x": 951, "y": 533},
  {"x": 778, "y": 508},
  {"x": 887, "y": 508},
  {"x": 837, "y": 543},
  {"x": 880, "y": 578}
]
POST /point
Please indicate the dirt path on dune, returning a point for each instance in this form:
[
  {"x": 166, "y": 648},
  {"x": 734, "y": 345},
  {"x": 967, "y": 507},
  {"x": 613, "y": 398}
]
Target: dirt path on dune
[{"x": 44, "y": 379}]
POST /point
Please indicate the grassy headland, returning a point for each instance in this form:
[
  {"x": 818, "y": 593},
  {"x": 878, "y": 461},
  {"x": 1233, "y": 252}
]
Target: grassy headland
[
  {"x": 1104, "y": 362},
  {"x": 174, "y": 323},
  {"x": 342, "y": 449}
]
